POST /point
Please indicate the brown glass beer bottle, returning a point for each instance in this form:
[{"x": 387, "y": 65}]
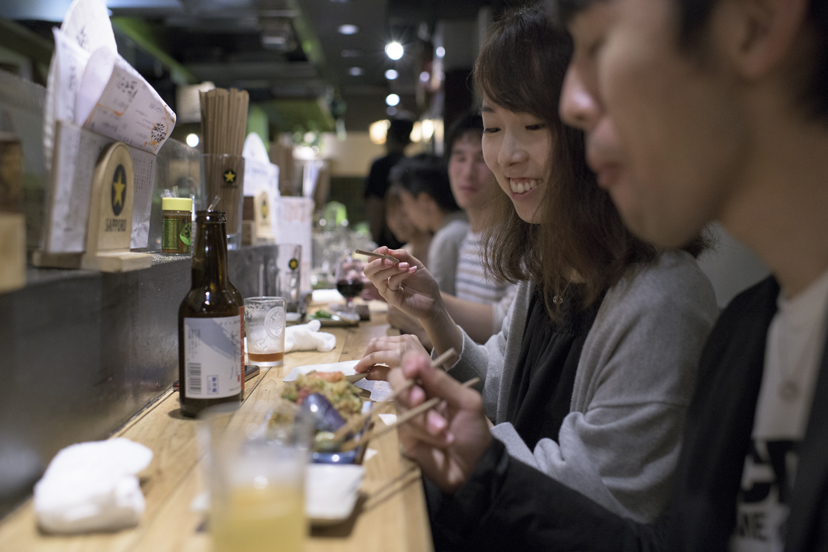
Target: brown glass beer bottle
[{"x": 209, "y": 325}]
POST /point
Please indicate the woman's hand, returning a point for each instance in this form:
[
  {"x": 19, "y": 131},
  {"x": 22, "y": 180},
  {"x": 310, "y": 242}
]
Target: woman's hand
[
  {"x": 448, "y": 441},
  {"x": 388, "y": 350},
  {"x": 409, "y": 325},
  {"x": 406, "y": 285}
]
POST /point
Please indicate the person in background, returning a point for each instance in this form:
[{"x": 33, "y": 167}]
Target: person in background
[
  {"x": 414, "y": 240},
  {"x": 481, "y": 302},
  {"x": 426, "y": 197},
  {"x": 693, "y": 112},
  {"x": 397, "y": 138},
  {"x": 590, "y": 378}
]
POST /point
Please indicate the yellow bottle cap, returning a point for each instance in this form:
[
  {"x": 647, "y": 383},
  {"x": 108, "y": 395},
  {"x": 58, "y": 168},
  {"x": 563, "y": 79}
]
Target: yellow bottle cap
[{"x": 176, "y": 204}]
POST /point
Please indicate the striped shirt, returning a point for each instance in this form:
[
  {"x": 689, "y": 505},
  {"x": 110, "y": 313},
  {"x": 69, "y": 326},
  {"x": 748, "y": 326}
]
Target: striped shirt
[{"x": 472, "y": 283}]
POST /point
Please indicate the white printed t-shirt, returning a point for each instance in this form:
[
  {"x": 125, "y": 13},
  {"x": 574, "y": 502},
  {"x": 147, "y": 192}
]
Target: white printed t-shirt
[{"x": 794, "y": 349}]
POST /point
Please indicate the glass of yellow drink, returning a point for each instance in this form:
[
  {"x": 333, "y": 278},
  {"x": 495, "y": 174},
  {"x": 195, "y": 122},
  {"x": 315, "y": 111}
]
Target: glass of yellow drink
[{"x": 257, "y": 481}]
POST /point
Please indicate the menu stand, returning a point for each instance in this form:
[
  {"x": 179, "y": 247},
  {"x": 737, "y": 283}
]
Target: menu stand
[{"x": 110, "y": 220}]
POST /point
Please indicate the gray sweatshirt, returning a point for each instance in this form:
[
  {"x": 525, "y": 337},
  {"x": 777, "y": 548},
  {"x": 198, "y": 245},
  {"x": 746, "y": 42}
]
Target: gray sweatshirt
[{"x": 636, "y": 376}]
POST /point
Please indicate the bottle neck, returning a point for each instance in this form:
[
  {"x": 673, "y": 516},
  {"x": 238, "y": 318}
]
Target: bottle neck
[{"x": 210, "y": 254}]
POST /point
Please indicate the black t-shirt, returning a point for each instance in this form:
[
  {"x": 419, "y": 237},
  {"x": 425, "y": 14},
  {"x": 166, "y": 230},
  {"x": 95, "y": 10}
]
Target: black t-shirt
[
  {"x": 377, "y": 182},
  {"x": 541, "y": 391}
]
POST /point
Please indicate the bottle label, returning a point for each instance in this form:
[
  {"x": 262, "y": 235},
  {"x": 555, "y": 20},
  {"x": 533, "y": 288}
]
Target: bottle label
[
  {"x": 176, "y": 234},
  {"x": 211, "y": 357}
]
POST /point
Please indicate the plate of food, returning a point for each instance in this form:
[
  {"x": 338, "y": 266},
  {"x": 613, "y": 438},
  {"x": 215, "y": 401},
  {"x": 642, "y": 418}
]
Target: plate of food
[
  {"x": 333, "y": 319},
  {"x": 345, "y": 368},
  {"x": 330, "y": 402}
]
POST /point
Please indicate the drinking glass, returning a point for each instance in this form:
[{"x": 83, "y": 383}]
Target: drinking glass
[
  {"x": 256, "y": 475},
  {"x": 264, "y": 324},
  {"x": 289, "y": 267},
  {"x": 349, "y": 281}
]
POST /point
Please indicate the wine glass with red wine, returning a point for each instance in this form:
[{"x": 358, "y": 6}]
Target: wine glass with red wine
[{"x": 349, "y": 280}]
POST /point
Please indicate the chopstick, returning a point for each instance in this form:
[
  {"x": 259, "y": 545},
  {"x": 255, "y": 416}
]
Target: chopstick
[
  {"x": 377, "y": 255},
  {"x": 358, "y": 421},
  {"x": 428, "y": 405}
]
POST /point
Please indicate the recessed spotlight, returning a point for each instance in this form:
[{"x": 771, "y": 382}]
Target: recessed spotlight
[
  {"x": 192, "y": 140},
  {"x": 391, "y": 74},
  {"x": 440, "y": 51},
  {"x": 391, "y": 111},
  {"x": 392, "y": 100},
  {"x": 348, "y": 29},
  {"x": 424, "y": 76},
  {"x": 352, "y": 53},
  {"x": 394, "y": 50},
  {"x": 355, "y": 71}
]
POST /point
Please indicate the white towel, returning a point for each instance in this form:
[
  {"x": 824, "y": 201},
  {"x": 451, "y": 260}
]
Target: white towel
[
  {"x": 92, "y": 487},
  {"x": 307, "y": 337}
]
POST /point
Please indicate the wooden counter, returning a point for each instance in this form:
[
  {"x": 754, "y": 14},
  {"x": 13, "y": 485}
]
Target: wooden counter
[{"x": 390, "y": 515}]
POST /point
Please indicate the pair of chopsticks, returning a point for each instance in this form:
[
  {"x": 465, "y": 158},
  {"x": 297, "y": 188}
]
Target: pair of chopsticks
[
  {"x": 358, "y": 421},
  {"x": 377, "y": 255},
  {"x": 427, "y": 405}
]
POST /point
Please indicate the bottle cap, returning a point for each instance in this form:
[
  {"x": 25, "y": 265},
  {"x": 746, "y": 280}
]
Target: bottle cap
[{"x": 176, "y": 204}]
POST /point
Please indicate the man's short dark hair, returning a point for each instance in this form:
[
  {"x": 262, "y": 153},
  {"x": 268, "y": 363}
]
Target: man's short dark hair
[
  {"x": 694, "y": 16},
  {"x": 425, "y": 174},
  {"x": 468, "y": 122}
]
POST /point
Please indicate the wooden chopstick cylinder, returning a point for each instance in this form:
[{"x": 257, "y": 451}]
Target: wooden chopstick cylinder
[
  {"x": 377, "y": 255},
  {"x": 358, "y": 421},
  {"x": 428, "y": 405}
]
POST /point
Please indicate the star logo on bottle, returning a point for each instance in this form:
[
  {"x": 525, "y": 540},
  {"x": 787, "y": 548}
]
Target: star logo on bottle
[
  {"x": 293, "y": 264},
  {"x": 265, "y": 209},
  {"x": 118, "y": 190},
  {"x": 230, "y": 176}
]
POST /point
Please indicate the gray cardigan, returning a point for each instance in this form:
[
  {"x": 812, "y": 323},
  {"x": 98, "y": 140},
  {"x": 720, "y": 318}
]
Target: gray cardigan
[{"x": 620, "y": 443}]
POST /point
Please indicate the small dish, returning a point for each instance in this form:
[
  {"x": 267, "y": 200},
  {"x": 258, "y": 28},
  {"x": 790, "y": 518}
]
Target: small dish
[
  {"x": 347, "y": 369},
  {"x": 331, "y": 492},
  {"x": 348, "y": 457}
]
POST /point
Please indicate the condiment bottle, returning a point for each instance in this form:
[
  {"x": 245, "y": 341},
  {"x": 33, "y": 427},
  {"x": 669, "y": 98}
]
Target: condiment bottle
[
  {"x": 176, "y": 232},
  {"x": 209, "y": 324}
]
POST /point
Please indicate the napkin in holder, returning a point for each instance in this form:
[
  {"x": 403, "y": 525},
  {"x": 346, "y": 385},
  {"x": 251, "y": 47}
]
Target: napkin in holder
[
  {"x": 92, "y": 487},
  {"x": 307, "y": 337}
]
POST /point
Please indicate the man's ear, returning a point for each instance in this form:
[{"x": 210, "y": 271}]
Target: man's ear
[{"x": 757, "y": 35}]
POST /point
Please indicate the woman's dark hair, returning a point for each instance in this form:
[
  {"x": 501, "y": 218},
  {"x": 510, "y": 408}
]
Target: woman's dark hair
[
  {"x": 468, "y": 122},
  {"x": 425, "y": 174},
  {"x": 521, "y": 68}
]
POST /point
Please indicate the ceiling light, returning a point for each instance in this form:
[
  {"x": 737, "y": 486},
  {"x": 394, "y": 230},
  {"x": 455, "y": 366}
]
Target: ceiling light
[
  {"x": 348, "y": 29},
  {"x": 192, "y": 140},
  {"x": 391, "y": 74},
  {"x": 394, "y": 50},
  {"x": 392, "y": 100},
  {"x": 440, "y": 51},
  {"x": 355, "y": 71},
  {"x": 391, "y": 111},
  {"x": 424, "y": 76}
]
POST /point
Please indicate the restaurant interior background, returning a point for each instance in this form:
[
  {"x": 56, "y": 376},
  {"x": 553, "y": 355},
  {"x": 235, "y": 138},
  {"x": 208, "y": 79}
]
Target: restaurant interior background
[{"x": 81, "y": 351}]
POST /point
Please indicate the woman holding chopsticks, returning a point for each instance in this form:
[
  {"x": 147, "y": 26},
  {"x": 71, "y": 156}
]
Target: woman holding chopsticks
[{"x": 590, "y": 378}]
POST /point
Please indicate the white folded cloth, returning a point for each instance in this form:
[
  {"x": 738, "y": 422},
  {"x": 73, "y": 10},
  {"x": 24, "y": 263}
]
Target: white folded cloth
[
  {"x": 307, "y": 337},
  {"x": 92, "y": 487}
]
